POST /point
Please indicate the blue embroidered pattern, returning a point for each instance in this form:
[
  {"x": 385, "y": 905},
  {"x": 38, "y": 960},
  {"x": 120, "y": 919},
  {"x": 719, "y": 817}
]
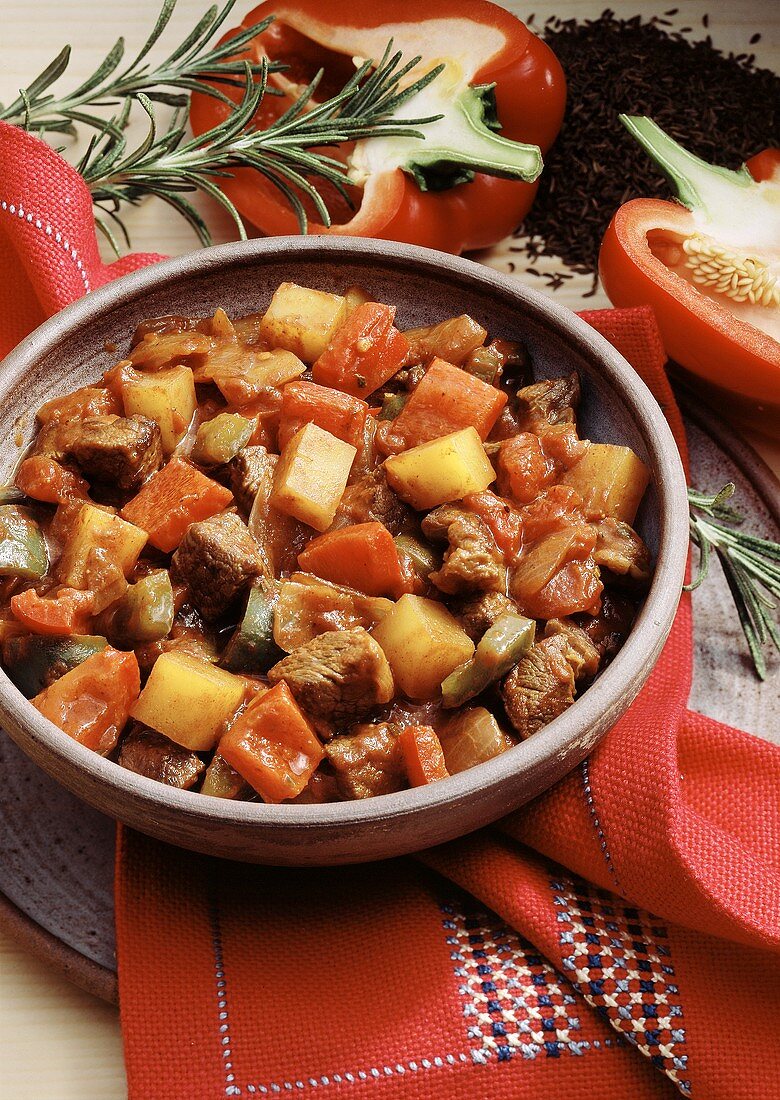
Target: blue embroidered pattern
[
  {"x": 619, "y": 959},
  {"x": 514, "y": 1003}
]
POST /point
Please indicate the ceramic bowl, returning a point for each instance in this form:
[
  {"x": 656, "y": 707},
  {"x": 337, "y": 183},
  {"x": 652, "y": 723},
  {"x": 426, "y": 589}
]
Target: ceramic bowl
[{"x": 69, "y": 351}]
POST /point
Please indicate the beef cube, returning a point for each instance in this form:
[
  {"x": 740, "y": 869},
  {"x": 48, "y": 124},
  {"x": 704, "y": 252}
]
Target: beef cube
[
  {"x": 112, "y": 450},
  {"x": 540, "y": 687},
  {"x": 218, "y": 559},
  {"x": 368, "y": 761},
  {"x": 478, "y": 613},
  {"x": 247, "y": 472},
  {"x": 621, "y": 550},
  {"x": 371, "y": 499},
  {"x": 473, "y": 562},
  {"x": 552, "y": 401},
  {"x": 337, "y": 677},
  {"x": 148, "y": 753},
  {"x": 609, "y": 628},
  {"x": 582, "y": 654}
]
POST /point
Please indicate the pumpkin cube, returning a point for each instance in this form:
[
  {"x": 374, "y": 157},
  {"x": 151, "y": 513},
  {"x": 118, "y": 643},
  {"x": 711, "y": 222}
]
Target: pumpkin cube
[
  {"x": 302, "y": 320},
  {"x": 611, "y": 481},
  {"x": 96, "y": 537},
  {"x": 423, "y": 644},
  {"x": 444, "y": 469},
  {"x": 167, "y": 397},
  {"x": 311, "y": 476},
  {"x": 188, "y": 699}
]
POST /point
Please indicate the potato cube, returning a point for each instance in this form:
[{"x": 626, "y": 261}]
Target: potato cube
[
  {"x": 311, "y": 476},
  {"x": 611, "y": 481},
  {"x": 302, "y": 320},
  {"x": 441, "y": 470},
  {"x": 188, "y": 699},
  {"x": 167, "y": 397},
  {"x": 98, "y": 541},
  {"x": 423, "y": 644}
]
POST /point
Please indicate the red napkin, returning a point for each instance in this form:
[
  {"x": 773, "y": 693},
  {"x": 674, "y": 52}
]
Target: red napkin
[{"x": 618, "y": 937}]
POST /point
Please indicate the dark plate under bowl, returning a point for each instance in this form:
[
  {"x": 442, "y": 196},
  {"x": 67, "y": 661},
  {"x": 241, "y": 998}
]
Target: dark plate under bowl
[{"x": 69, "y": 351}]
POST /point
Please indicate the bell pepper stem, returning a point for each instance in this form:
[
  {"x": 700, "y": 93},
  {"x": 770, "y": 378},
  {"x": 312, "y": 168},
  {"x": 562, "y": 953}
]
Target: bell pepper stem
[
  {"x": 471, "y": 145},
  {"x": 697, "y": 184}
]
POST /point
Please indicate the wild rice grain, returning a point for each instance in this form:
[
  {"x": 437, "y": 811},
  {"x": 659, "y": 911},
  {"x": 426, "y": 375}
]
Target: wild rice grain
[{"x": 718, "y": 105}]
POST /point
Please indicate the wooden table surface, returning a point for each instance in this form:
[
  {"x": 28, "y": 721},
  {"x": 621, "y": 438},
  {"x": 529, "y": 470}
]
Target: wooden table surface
[{"x": 57, "y": 1043}]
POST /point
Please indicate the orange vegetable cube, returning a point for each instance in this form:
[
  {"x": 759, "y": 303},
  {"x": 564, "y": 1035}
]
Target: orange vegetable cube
[
  {"x": 307, "y": 403},
  {"x": 92, "y": 702},
  {"x": 44, "y": 479},
  {"x": 88, "y": 401},
  {"x": 523, "y": 468},
  {"x": 423, "y": 755},
  {"x": 272, "y": 745},
  {"x": 171, "y": 500},
  {"x": 444, "y": 401},
  {"x": 68, "y": 612},
  {"x": 361, "y": 556},
  {"x": 365, "y": 351}
]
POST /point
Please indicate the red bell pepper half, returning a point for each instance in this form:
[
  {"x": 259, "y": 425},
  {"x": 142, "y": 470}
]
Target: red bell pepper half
[
  {"x": 406, "y": 189},
  {"x": 710, "y": 268}
]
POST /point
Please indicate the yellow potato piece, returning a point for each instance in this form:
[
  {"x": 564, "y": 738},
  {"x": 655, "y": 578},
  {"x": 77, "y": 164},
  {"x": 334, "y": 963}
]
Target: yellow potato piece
[
  {"x": 167, "y": 397},
  {"x": 99, "y": 536},
  {"x": 611, "y": 481},
  {"x": 302, "y": 320},
  {"x": 448, "y": 468},
  {"x": 311, "y": 476},
  {"x": 188, "y": 700},
  {"x": 423, "y": 644}
]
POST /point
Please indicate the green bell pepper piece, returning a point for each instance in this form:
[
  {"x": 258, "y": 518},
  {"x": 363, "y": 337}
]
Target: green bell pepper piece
[
  {"x": 499, "y": 649},
  {"x": 392, "y": 403},
  {"x": 34, "y": 661},
  {"x": 145, "y": 613},
  {"x": 23, "y": 550},
  {"x": 252, "y": 647},
  {"x": 423, "y": 557},
  {"x": 220, "y": 439}
]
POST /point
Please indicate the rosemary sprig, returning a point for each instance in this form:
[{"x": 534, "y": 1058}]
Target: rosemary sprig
[
  {"x": 184, "y": 70},
  {"x": 288, "y": 153},
  {"x": 751, "y": 566}
]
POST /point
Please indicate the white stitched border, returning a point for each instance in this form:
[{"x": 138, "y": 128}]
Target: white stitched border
[
  {"x": 17, "y": 210},
  {"x": 398, "y": 1069}
]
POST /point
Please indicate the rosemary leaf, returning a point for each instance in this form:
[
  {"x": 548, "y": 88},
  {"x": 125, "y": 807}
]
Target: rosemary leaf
[
  {"x": 749, "y": 564},
  {"x": 189, "y": 67},
  {"x": 288, "y": 153}
]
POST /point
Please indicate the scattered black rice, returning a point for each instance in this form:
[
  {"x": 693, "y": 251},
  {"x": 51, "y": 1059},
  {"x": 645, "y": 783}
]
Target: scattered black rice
[{"x": 718, "y": 105}]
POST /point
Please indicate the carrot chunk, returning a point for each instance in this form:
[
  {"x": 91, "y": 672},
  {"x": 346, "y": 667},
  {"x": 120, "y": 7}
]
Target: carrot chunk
[
  {"x": 423, "y": 755},
  {"x": 338, "y": 413},
  {"x": 88, "y": 401},
  {"x": 365, "y": 351},
  {"x": 44, "y": 479},
  {"x": 361, "y": 556},
  {"x": 169, "y": 502},
  {"x": 92, "y": 702},
  {"x": 67, "y": 612},
  {"x": 445, "y": 400},
  {"x": 272, "y": 745}
]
